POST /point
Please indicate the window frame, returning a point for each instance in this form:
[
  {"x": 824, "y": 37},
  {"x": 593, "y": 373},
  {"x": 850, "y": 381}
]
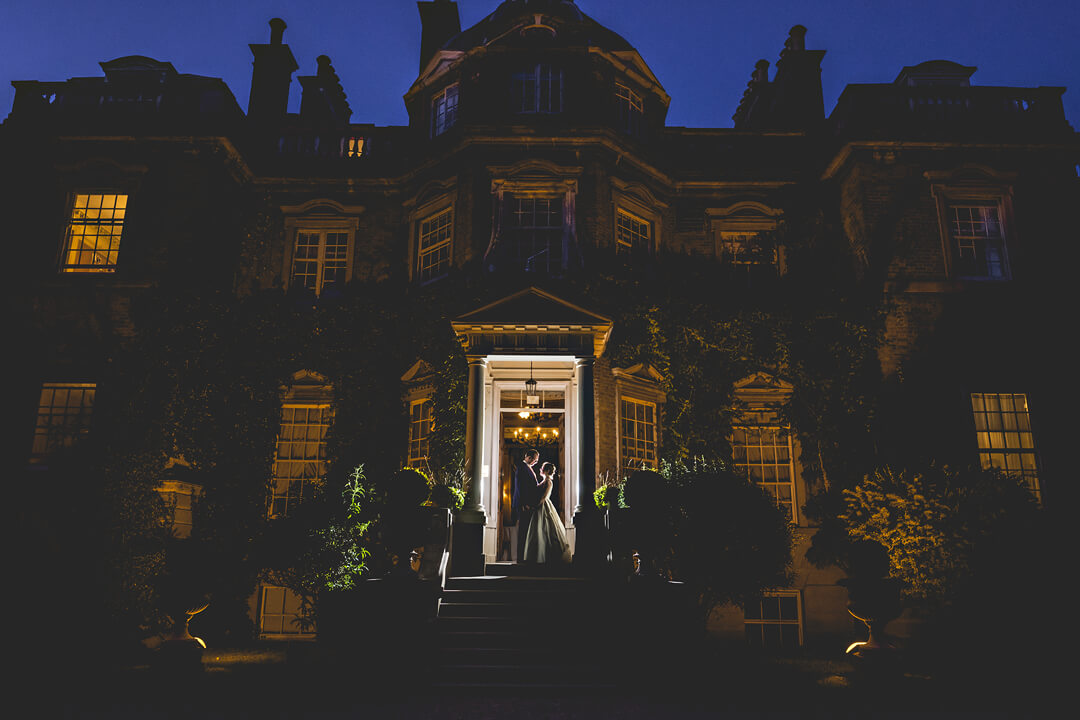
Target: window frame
[
  {"x": 792, "y": 503},
  {"x": 629, "y": 109},
  {"x": 66, "y": 250},
  {"x": 973, "y": 186},
  {"x": 638, "y": 202},
  {"x": 747, "y": 217},
  {"x": 763, "y": 398},
  {"x": 762, "y": 622},
  {"x": 323, "y": 217},
  {"x": 448, "y": 243},
  {"x": 445, "y": 117},
  {"x": 443, "y": 201},
  {"x": 82, "y": 425},
  {"x": 319, "y": 461},
  {"x": 620, "y": 418},
  {"x": 1030, "y": 478},
  {"x": 299, "y": 634},
  {"x": 631, "y": 247},
  {"x": 423, "y": 442},
  {"x": 536, "y": 71}
]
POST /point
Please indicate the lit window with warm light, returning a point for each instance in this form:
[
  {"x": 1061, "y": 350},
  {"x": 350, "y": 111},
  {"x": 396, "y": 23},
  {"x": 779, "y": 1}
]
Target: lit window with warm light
[
  {"x": 742, "y": 248},
  {"x": 420, "y": 415},
  {"x": 63, "y": 416},
  {"x": 92, "y": 244},
  {"x": 637, "y": 433},
  {"x": 300, "y": 458},
  {"x": 1003, "y": 432},
  {"x": 632, "y": 233}
]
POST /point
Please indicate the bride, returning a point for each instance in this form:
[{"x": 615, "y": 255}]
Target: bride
[{"x": 545, "y": 539}]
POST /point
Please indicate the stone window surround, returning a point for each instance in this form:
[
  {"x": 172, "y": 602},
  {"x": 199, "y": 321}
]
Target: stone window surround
[
  {"x": 434, "y": 198},
  {"x": 973, "y": 185},
  {"x": 747, "y": 216},
  {"x": 535, "y": 179},
  {"x": 638, "y": 383},
  {"x": 319, "y": 215},
  {"x": 762, "y": 398},
  {"x": 636, "y": 199}
]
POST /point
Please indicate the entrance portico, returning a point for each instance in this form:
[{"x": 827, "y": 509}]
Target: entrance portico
[{"x": 530, "y": 335}]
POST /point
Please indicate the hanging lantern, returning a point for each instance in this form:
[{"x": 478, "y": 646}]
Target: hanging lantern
[{"x": 532, "y": 396}]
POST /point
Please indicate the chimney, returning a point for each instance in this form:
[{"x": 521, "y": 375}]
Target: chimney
[
  {"x": 755, "y": 100},
  {"x": 439, "y": 22},
  {"x": 323, "y": 101},
  {"x": 271, "y": 76},
  {"x": 797, "y": 98}
]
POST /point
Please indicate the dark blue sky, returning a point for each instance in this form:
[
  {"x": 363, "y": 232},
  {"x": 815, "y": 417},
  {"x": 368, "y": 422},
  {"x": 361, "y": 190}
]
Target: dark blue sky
[{"x": 702, "y": 51}]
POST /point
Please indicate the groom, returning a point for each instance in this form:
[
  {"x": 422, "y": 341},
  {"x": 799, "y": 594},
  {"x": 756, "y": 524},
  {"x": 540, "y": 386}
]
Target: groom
[{"x": 523, "y": 500}]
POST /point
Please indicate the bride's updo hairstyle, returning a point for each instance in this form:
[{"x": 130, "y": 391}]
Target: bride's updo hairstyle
[{"x": 547, "y": 468}]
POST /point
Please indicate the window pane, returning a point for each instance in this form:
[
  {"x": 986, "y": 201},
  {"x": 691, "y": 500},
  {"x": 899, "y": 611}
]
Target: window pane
[
  {"x": 763, "y": 453},
  {"x": 1014, "y": 451},
  {"x": 300, "y": 454},
  {"x": 93, "y": 233},
  {"x": 63, "y": 416}
]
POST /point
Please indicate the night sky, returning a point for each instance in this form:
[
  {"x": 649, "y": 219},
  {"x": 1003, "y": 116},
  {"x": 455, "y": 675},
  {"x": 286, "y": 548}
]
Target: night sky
[{"x": 701, "y": 50}]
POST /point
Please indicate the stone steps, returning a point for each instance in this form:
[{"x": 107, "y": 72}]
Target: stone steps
[{"x": 518, "y": 631}]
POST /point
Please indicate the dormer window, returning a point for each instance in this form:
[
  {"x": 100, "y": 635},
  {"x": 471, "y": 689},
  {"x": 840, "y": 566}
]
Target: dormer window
[
  {"x": 538, "y": 89},
  {"x": 444, "y": 110},
  {"x": 629, "y": 109}
]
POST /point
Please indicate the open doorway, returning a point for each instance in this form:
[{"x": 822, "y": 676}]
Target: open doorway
[{"x": 519, "y": 431}]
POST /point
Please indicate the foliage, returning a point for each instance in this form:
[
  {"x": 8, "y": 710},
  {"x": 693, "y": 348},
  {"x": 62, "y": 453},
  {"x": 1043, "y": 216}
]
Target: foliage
[
  {"x": 711, "y": 528},
  {"x": 323, "y": 544},
  {"x": 934, "y": 523},
  {"x": 447, "y": 496},
  {"x": 609, "y": 494}
]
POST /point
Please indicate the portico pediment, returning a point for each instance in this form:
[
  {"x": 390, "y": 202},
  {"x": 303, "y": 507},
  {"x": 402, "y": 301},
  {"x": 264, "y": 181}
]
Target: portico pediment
[{"x": 532, "y": 321}]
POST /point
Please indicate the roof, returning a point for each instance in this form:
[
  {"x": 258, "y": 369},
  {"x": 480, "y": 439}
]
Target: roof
[
  {"x": 571, "y": 26},
  {"x": 532, "y": 306}
]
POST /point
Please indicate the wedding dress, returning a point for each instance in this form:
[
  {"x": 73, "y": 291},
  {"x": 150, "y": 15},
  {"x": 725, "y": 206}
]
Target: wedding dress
[{"x": 545, "y": 539}]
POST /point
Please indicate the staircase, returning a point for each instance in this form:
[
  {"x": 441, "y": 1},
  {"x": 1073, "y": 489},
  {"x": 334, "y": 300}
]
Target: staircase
[{"x": 508, "y": 629}]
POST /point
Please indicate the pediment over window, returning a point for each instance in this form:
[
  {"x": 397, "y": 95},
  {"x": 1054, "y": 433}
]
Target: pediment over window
[
  {"x": 640, "y": 371},
  {"x": 638, "y": 192},
  {"x": 533, "y": 174},
  {"x": 744, "y": 214},
  {"x": 322, "y": 206},
  {"x": 430, "y": 191},
  {"x": 308, "y": 386},
  {"x": 420, "y": 371},
  {"x": 762, "y": 388},
  {"x": 533, "y": 321},
  {"x": 970, "y": 174}
]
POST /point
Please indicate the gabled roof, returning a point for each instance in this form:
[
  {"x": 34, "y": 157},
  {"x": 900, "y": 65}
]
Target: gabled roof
[
  {"x": 554, "y": 325},
  {"x": 533, "y": 307},
  {"x": 572, "y": 26}
]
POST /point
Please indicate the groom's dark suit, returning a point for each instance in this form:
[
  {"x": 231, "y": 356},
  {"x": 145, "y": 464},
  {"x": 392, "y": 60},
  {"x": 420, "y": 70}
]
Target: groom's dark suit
[{"x": 523, "y": 501}]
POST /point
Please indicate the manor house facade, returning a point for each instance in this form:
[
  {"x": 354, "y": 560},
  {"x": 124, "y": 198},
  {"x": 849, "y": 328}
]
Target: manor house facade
[{"x": 536, "y": 143}]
